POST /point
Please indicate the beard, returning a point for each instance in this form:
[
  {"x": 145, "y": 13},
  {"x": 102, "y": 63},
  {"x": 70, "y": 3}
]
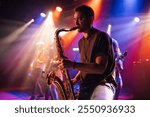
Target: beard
[
  {"x": 84, "y": 26},
  {"x": 81, "y": 29}
]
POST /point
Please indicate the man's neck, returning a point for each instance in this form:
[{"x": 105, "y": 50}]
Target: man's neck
[{"x": 86, "y": 34}]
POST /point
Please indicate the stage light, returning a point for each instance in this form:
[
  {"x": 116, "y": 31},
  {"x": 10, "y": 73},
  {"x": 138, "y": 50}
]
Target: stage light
[
  {"x": 56, "y": 14},
  {"x": 43, "y": 15},
  {"x": 32, "y": 20},
  {"x": 109, "y": 30},
  {"x": 136, "y": 19},
  {"x": 59, "y": 9},
  {"x": 75, "y": 49},
  {"x": 46, "y": 30}
]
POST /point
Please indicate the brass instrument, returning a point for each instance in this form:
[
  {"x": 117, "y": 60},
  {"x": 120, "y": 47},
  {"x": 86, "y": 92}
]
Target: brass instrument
[{"x": 67, "y": 91}]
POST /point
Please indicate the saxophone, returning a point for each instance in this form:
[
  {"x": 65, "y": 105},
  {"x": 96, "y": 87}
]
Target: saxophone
[{"x": 69, "y": 91}]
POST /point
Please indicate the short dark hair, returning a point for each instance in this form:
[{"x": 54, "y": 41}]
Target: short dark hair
[{"x": 86, "y": 10}]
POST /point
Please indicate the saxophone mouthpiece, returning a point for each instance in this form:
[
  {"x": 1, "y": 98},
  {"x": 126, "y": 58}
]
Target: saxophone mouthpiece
[{"x": 74, "y": 28}]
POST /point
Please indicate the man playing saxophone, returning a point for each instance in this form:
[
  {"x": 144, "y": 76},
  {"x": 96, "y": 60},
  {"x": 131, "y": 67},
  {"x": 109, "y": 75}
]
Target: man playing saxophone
[{"x": 97, "y": 59}]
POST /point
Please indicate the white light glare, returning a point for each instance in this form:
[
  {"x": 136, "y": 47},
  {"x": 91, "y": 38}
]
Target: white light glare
[
  {"x": 59, "y": 9},
  {"x": 75, "y": 49},
  {"x": 136, "y": 19},
  {"x": 109, "y": 30},
  {"x": 32, "y": 20},
  {"x": 43, "y": 14}
]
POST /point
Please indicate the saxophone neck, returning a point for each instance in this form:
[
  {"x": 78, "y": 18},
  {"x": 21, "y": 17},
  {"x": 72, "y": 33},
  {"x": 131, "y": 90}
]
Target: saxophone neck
[{"x": 66, "y": 30}]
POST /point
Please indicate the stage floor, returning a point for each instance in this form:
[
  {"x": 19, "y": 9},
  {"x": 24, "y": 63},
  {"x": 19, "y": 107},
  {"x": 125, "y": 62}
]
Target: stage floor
[{"x": 22, "y": 94}]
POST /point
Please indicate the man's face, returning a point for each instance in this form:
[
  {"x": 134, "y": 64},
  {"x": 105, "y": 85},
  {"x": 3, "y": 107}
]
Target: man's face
[{"x": 81, "y": 21}]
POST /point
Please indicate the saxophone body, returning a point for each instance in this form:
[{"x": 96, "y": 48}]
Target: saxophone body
[{"x": 65, "y": 78}]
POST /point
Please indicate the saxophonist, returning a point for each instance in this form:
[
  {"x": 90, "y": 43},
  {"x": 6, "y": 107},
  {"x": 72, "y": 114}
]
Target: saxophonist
[{"x": 97, "y": 59}]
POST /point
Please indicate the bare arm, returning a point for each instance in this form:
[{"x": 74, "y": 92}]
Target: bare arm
[
  {"x": 98, "y": 67},
  {"x": 76, "y": 78}
]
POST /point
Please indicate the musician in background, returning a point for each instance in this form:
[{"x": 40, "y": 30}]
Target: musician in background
[
  {"x": 39, "y": 65},
  {"x": 118, "y": 67}
]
